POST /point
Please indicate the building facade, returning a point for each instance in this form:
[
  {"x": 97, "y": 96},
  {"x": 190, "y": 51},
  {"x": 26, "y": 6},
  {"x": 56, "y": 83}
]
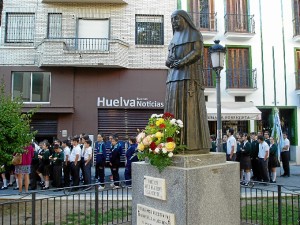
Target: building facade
[
  {"x": 99, "y": 66},
  {"x": 261, "y": 64},
  {"x": 89, "y": 66}
]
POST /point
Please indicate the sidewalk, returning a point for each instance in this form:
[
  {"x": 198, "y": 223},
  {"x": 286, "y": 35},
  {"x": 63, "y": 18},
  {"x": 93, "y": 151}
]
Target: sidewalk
[{"x": 292, "y": 182}]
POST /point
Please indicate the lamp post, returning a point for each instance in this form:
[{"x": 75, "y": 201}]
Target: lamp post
[{"x": 217, "y": 54}]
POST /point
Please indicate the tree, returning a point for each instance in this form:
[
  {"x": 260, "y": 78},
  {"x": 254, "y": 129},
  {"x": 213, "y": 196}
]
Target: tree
[{"x": 15, "y": 132}]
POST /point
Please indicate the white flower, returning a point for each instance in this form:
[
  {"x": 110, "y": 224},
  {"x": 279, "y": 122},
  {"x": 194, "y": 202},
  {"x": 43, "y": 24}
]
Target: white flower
[
  {"x": 164, "y": 150},
  {"x": 153, "y": 115},
  {"x": 170, "y": 154},
  {"x": 177, "y": 131},
  {"x": 180, "y": 123},
  {"x": 173, "y": 121},
  {"x": 157, "y": 150},
  {"x": 160, "y": 115}
]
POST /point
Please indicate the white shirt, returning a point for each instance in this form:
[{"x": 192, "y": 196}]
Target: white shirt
[
  {"x": 286, "y": 143},
  {"x": 67, "y": 152},
  {"x": 231, "y": 142},
  {"x": 75, "y": 151},
  {"x": 263, "y": 148},
  {"x": 87, "y": 153}
]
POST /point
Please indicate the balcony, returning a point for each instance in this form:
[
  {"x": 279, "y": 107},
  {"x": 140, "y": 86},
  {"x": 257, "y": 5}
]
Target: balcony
[
  {"x": 241, "y": 81},
  {"x": 83, "y": 52},
  {"x": 206, "y": 23},
  {"x": 86, "y": 1},
  {"x": 296, "y": 27},
  {"x": 238, "y": 27},
  {"x": 297, "y": 82},
  {"x": 209, "y": 81}
]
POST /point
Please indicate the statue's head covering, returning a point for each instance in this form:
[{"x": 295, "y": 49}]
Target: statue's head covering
[
  {"x": 190, "y": 33},
  {"x": 186, "y": 16}
]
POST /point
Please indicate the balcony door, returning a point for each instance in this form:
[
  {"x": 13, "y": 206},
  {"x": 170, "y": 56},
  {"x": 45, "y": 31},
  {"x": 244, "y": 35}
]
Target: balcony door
[
  {"x": 93, "y": 34},
  {"x": 238, "y": 73},
  {"x": 296, "y": 18},
  {"x": 237, "y": 15},
  {"x": 203, "y": 13},
  {"x": 208, "y": 79},
  {"x": 298, "y": 70}
]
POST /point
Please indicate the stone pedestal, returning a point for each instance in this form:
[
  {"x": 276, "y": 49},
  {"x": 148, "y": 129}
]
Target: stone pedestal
[{"x": 201, "y": 189}]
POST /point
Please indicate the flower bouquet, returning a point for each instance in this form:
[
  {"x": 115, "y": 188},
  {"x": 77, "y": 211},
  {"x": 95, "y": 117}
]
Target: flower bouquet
[{"x": 160, "y": 140}]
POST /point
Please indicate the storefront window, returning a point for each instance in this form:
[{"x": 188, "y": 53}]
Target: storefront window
[{"x": 31, "y": 87}]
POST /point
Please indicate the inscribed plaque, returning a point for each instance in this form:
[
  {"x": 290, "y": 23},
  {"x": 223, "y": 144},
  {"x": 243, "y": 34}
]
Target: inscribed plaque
[{"x": 155, "y": 187}]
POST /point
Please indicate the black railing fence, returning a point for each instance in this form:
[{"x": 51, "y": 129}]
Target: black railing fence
[
  {"x": 239, "y": 23},
  {"x": 88, "y": 205},
  {"x": 297, "y": 80},
  {"x": 205, "y": 21},
  {"x": 296, "y": 26},
  {"x": 241, "y": 78},
  {"x": 272, "y": 205}
]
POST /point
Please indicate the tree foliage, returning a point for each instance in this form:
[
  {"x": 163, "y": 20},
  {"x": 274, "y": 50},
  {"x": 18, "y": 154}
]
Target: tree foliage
[{"x": 15, "y": 132}]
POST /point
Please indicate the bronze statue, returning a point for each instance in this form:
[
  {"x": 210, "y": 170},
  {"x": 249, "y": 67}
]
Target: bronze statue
[{"x": 185, "y": 92}]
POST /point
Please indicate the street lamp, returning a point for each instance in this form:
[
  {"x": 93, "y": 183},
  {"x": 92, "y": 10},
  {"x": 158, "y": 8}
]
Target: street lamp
[{"x": 217, "y": 54}]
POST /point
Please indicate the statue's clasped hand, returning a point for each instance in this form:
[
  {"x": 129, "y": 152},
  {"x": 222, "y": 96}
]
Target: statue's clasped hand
[{"x": 176, "y": 64}]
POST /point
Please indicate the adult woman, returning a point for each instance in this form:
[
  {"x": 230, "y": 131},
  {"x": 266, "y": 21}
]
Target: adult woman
[
  {"x": 24, "y": 168},
  {"x": 273, "y": 160},
  {"x": 245, "y": 159},
  {"x": 185, "y": 93}
]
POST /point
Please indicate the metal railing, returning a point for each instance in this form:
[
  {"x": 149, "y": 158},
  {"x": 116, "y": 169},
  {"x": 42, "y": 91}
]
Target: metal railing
[
  {"x": 241, "y": 78},
  {"x": 272, "y": 205},
  {"x": 239, "y": 23},
  {"x": 62, "y": 206},
  {"x": 297, "y": 80},
  {"x": 296, "y": 26},
  {"x": 85, "y": 44},
  {"x": 205, "y": 21},
  {"x": 208, "y": 78}
]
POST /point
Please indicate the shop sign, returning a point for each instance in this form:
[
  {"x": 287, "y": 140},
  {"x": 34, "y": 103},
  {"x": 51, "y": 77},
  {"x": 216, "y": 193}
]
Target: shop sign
[
  {"x": 234, "y": 117},
  {"x": 103, "y": 102}
]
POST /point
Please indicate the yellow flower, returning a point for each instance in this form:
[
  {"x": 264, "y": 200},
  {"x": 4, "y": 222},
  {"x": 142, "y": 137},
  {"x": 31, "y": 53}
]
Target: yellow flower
[
  {"x": 159, "y": 135},
  {"x": 141, "y": 147},
  {"x": 170, "y": 146},
  {"x": 159, "y": 121}
]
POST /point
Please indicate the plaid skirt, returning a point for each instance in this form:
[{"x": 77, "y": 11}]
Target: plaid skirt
[{"x": 20, "y": 169}]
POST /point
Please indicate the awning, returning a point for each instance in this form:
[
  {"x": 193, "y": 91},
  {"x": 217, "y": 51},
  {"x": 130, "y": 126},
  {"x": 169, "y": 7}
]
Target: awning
[{"x": 233, "y": 111}]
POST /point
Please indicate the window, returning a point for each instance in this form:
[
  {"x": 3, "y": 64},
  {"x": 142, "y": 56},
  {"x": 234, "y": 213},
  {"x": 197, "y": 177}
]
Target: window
[
  {"x": 202, "y": 12},
  {"x": 238, "y": 72},
  {"x": 296, "y": 19},
  {"x": 237, "y": 18},
  {"x": 92, "y": 35},
  {"x": 297, "y": 73},
  {"x": 208, "y": 78},
  {"x": 240, "y": 99},
  {"x": 19, "y": 28},
  {"x": 1, "y": 9},
  {"x": 149, "y": 30},
  {"x": 54, "y": 25},
  {"x": 31, "y": 86}
]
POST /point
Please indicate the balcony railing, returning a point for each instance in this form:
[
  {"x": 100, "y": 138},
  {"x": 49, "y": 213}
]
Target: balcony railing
[
  {"x": 205, "y": 21},
  {"x": 239, "y": 23},
  {"x": 87, "y": 44},
  {"x": 241, "y": 78},
  {"x": 208, "y": 79},
  {"x": 297, "y": 76},
  {"x": 296, "y": 26}
]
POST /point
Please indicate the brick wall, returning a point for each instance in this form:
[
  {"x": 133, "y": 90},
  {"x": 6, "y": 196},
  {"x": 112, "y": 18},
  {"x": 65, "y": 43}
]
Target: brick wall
[{"x": 122, "y": 27}]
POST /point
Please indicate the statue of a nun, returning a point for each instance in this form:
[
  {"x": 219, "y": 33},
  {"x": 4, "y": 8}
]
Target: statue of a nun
[{"x": 185, "y": 93}]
